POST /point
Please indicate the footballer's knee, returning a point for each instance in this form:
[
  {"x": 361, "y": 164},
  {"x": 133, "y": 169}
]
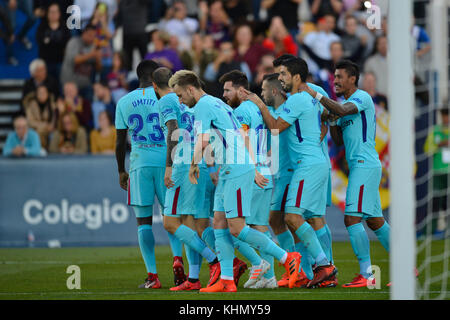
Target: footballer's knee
[
  {"x": 276, "y": 221},
  {"x": 294, "y": 221},
  {"x": 351, "y": 220},
  {"x": 375, "y": 223},
  {"x": 171, "y": 224}
]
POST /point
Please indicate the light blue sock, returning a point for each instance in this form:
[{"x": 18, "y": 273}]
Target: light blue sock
[
  {"x": 269, "y": 274},
  {"x": 330, "y": 240},
  {"x": 209, "y": 238},
  {"x": 147, "y": 246},
  {"x": 175, "y": 245},
  {"x": 190, "y": 237},
  {"x": 225, "y": 252},
  {"x": 286, "y": 241},
  {"x": 383, "y": 235},
  {"x": 325, "y": 242},
  {"x": 194, "y": 260},
  {"x": 361, "y": 247},
  {"x": 309, "y": 239},
  {"x": 307, "y": 261},
  {"x": 260, "y": 242},
  {"x": 247, "y": 251}
]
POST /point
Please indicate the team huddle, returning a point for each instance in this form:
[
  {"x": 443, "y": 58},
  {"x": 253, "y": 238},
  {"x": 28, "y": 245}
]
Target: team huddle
[{"x": 249, "y": 164}]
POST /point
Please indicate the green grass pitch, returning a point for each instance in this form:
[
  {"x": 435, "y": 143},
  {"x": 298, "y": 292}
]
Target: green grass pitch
[{"x": 115, "y": 273}]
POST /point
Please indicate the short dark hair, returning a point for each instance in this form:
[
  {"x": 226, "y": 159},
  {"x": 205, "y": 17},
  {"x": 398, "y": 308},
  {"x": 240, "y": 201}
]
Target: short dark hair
[
  {"x": 238, "y": 78},
  {"x": 145, "y": 70},
  {"x": 297, "y": 66},
  {"x": 272, "y": 79},
  {"x": 161, "y": 77},
  {"x": 277, "y": 62},
  {"x": 88, "y": 27},
  {"x": 350, "y": 67}
]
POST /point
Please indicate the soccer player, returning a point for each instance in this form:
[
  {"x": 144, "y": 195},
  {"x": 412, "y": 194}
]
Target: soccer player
[
  {"x": 137, "y": 114},
  {"x": 250, "y": 119},
  {"x": 355, "y": 129},
  {"x": 307, "y": 191},
  {"x": 182, "y": 198},
  {"x": 234, "y": 189}
]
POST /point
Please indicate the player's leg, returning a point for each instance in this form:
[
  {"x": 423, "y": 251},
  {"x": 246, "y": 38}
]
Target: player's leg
[
  {"x": 141, "y": 194},
  {"x": 237, "y": 202},
  {"x": 307, "y": 196},
  {"x": 175, "y": 244},
  {"x": 259, "y": 220},
  {"x": 360, "y": 204}
]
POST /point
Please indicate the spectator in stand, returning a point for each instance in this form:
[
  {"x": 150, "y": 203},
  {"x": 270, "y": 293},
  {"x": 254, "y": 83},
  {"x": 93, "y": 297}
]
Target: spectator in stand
[
  {"x": 39, "y": 76},
  {"x": 70, "y": 138},
  {"x": 201, "y": 54},
  {"x": 237, "y": 10},
  {"x": 319, "y": 41},
  {"x": 321, "y": 8},
  {"x": 103, "y": 139},
  {"x": 162, "y": 54},
  {"x": 73, "y": 102},
  {"x": 279, "y": 40},
  {"x": 52, "y": 36},
  {"x": 224, "y": 63},
  {"x": 23, "y": 141},
  {"x": 177, "y": 23},
  {"x": 369, "y": 84},
  {"x": 26, "y": 6},
  {"x": 214, "y": 21},
  {"x": 102, "y": 102},
  {"x": 87, "y": 8},
  {"x": 354, "y": 46},
  {"x": 265, "y": 66},
  {"x": 104, "y": 34},
  {"x": 377, "y": 64},
  {"x": 41, "y": 114},
  {"x": 7, "y": 35},
  {"x": 132, "y": 16},
  {"x": 81, "y": 61},
  {"x": 288, "y": 9},
  {"x": 246, "y": 49},
  {"x": 117, "y": 78},
  {"x": 438, "y": 146}
]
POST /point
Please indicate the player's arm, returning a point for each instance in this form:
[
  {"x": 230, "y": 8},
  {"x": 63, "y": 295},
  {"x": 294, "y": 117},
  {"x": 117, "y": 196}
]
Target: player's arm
[
  {"x": 335, "y": 107},
  {"x": 200, "y": 145},
  {"x": 172, "y": 141},
  {"x": 272, "y": 123},
  {"x": 335, "y": 130},
  {"x": 121, "y": 150}
]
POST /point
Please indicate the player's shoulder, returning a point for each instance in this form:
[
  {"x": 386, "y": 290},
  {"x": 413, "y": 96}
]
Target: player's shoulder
[{"x": 318, "y": 88}]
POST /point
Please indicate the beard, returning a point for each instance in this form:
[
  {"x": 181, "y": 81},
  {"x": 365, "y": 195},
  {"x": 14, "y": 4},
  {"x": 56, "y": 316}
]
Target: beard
[{"x": 234, "y": 102}]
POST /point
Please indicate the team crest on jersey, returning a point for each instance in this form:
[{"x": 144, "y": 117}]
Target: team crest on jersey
[
  {"x": 285, "y": 109},
  {"x": 241, "y": 119}
]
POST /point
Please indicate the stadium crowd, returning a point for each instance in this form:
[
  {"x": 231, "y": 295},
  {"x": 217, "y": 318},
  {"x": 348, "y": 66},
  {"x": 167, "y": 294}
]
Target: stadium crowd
[{"x": 80, "y": 74}]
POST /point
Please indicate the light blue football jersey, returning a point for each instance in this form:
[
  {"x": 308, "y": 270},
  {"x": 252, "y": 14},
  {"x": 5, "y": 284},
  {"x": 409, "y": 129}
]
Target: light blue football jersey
[
  {"x": 170, "y": 108},
  {"x": 249, "y": 116},
  {"x": 325, "y": 139},
  {"x": 216, "y": 118},
  {"x": 302, "y": 112},
  {"x": 138, "y": 112},
  {"x": 358, "y": 131},
  {"x": 284, "y": 159}
]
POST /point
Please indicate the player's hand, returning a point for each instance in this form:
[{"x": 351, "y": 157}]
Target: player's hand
[
  {"x": 332, "y": 117},
  {"x": 248, "y": 95},
  {"x": 194, "y": 174},
  {"x": 214, "y": 177},
  {"x": 168, "y": 178},
  {"x": 260, "y": 180},
  {"x": 123, "y": 180}
]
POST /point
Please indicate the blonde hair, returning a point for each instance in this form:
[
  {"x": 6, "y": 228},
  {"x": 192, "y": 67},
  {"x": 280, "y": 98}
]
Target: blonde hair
[
  {"x": 184, "y": 78},
  {"x": 73, "y": 118}
]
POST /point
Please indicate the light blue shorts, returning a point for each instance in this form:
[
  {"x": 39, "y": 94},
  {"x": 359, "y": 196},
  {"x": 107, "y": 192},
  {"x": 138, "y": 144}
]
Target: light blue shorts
[
  {"x": 260, "y": 207},
  {"x": 308, "y": 191},
  {"x": 184, "y": 197},
  {"x": 329, "y": 191},
  {"x": 234, "y": 196},
  {"x": 280, "y": 191},
  {"x": 205, "y": 205},
  {"x": 143, "y": 184},
  {"x": 363, "y": 195}
]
